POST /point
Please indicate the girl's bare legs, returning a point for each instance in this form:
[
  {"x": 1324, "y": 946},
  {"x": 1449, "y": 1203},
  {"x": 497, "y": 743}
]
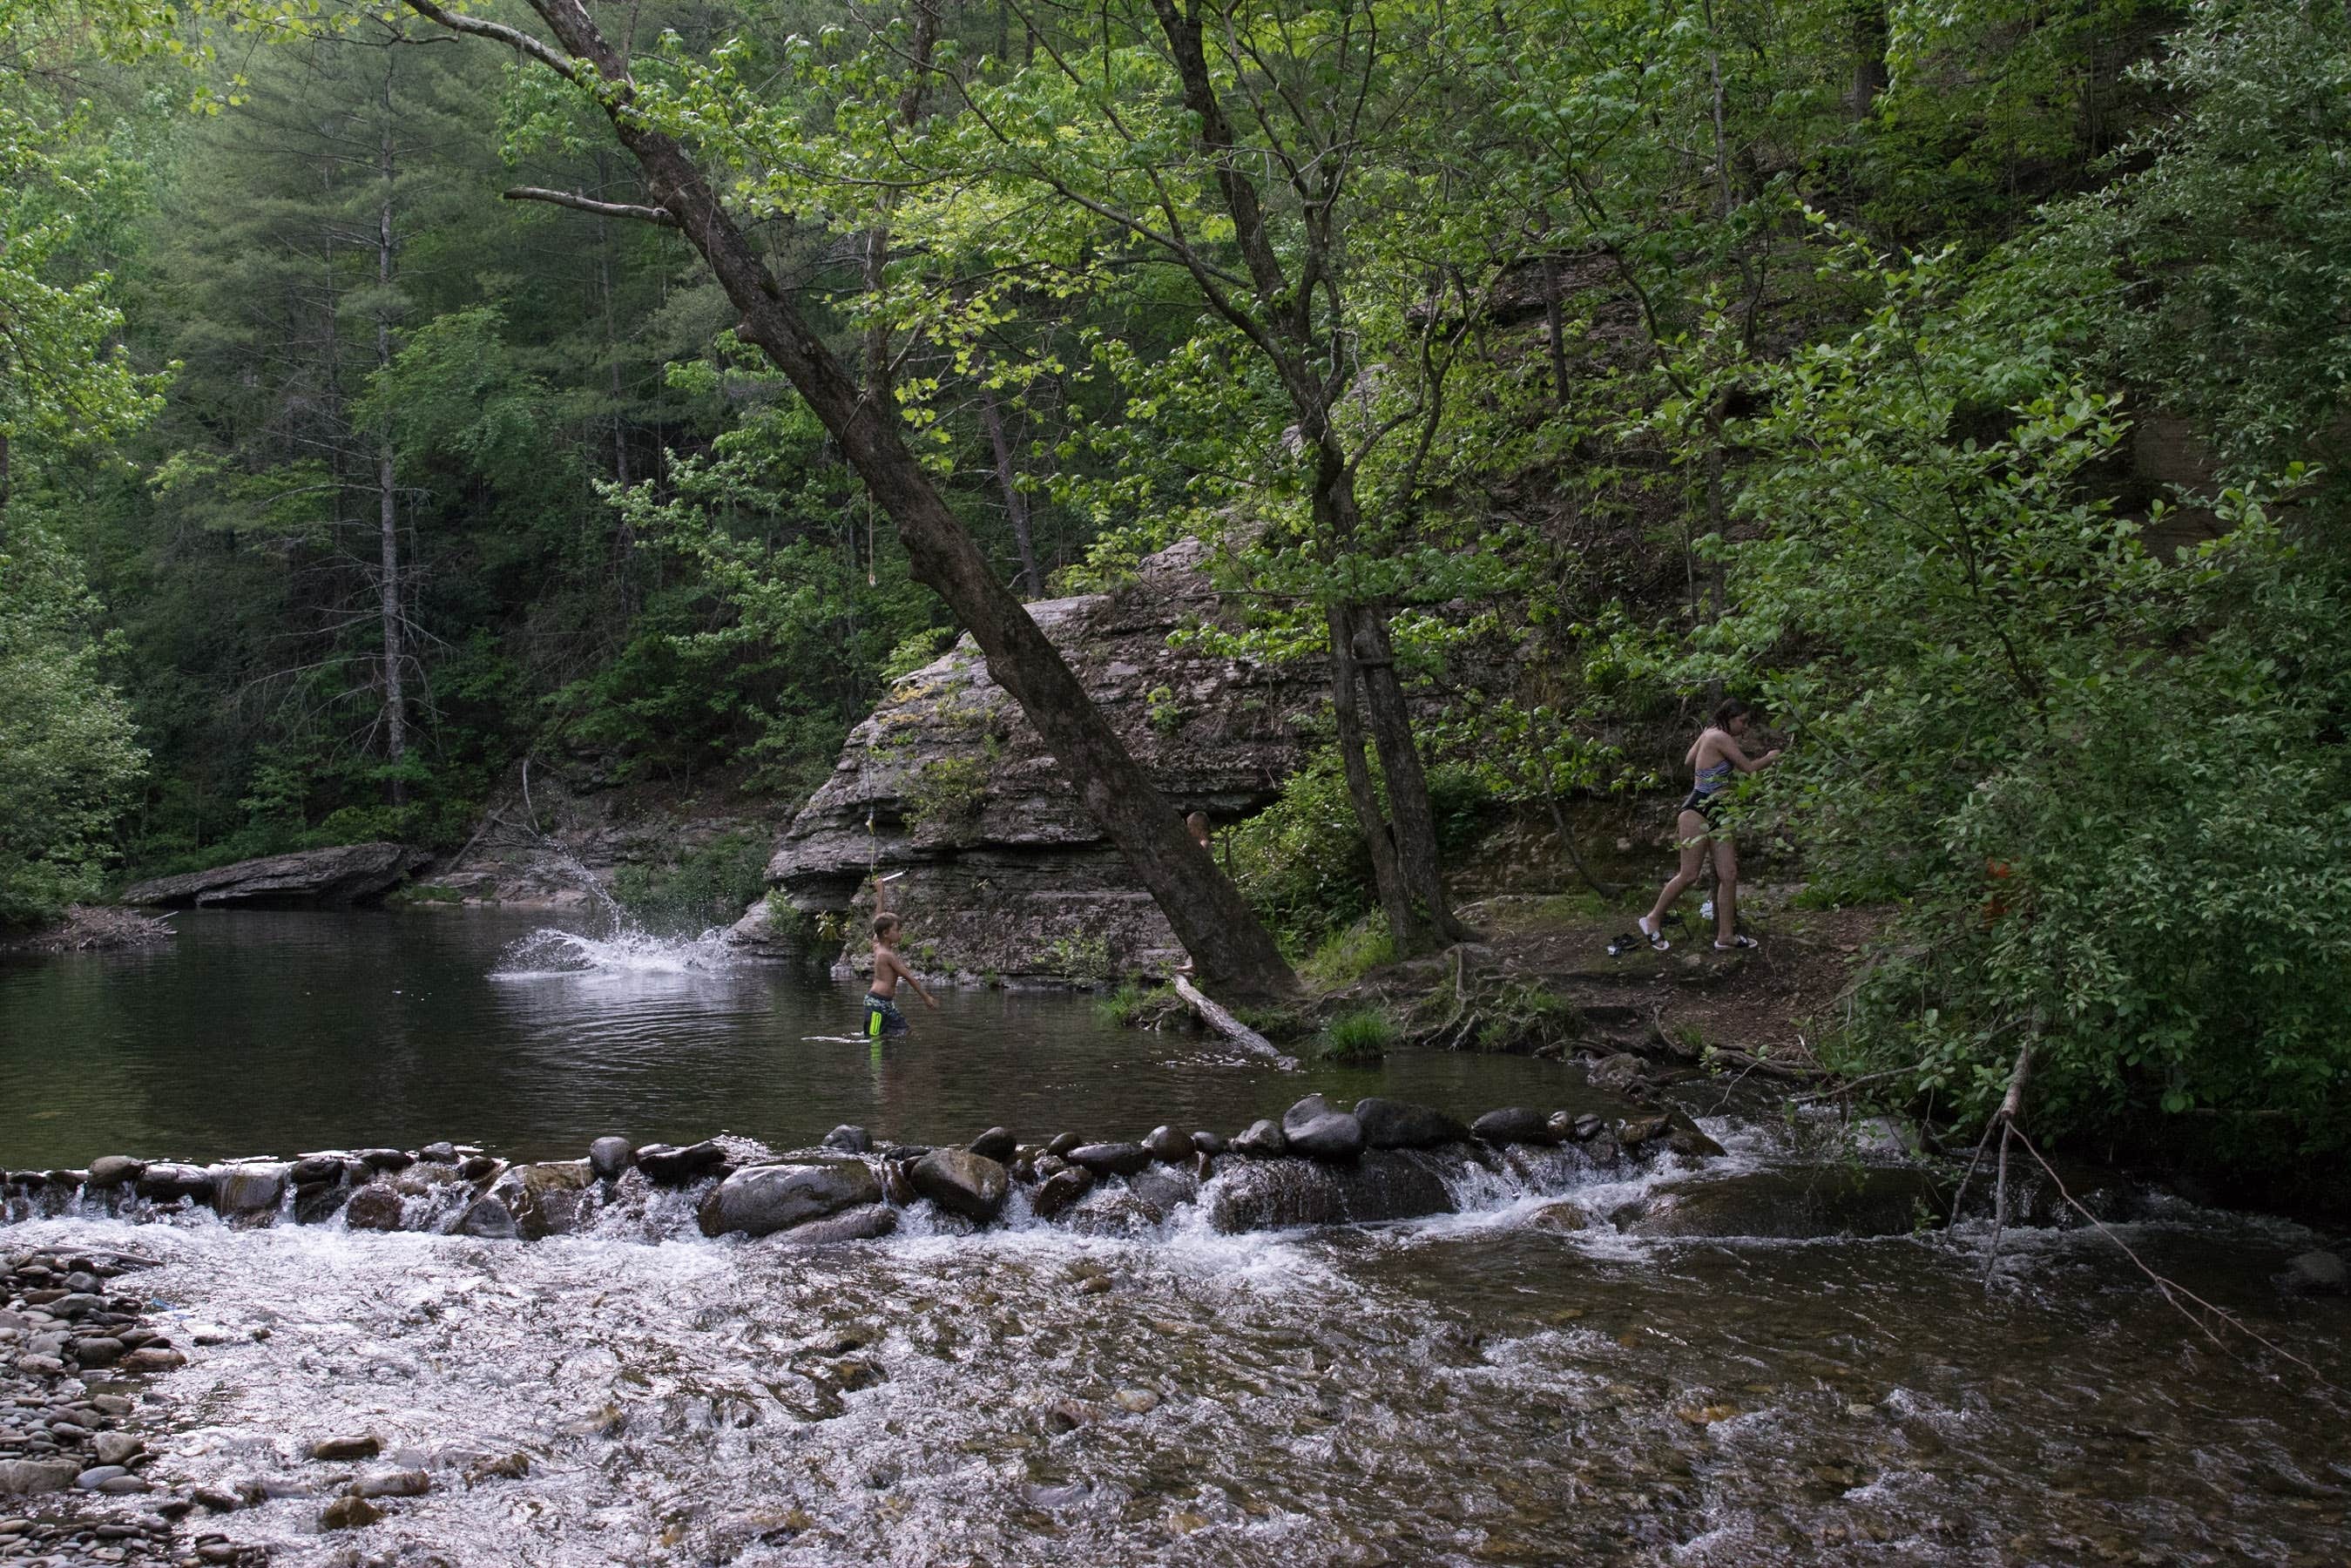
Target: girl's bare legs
[
  {"x": 1694, "y": 832},
  {"x": 1726, "y": 889}
]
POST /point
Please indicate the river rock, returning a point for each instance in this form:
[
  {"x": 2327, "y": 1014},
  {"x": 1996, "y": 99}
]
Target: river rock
[
  {"x": 97, "y": 1476},
  {"x": 250, "y": 1188},
  {"x": 1686, "y": 1138},
  {"x": 350, "y": 1446},
  {"x": 1515, "y": 1124},
  {"x": 1278, "y": 1194},
  {"x": 1618, "y": 1074},
  {"x": 114, "y": 1447},
  {"x": 666, "y": 1166},
  {"x": 26, "y": 1478},
  {"x": 391, "y": 1483},
  {"x": 1208, "y": 1142},
  {"x": 348, "y": 1514},
  {"x": 313, "y": 1170},
  {"x": 869, "y": 1223},
  {"x": 962, "y": 1182},
  {"x": 316, "y": 1205},
  {"x": 1799, "y": 1204},
  {"x": 444, "y": 1153},
  {"x": 374, "y": 1207},
  {"x": 610, "y": 1157},
  {"x": 549, "y": 1198},
  {"x": 163, "y": 1183},
  {"x": 384, "y": 1159},
  {"x": 849, "y": 1139},
  {"x": 1587, "y": 1126},
  {"x": 1262, "y": 1140},
  {"x": 996, "y": 1143},
  {"x": 1314, "y": 1129},
  {"x": 99, "y": 1350},
  {"x": 110, "y": 1171},
  {"x": 1166, "y": 1144},
  {"x": 2319, "y": 1271},
  {"x": 1057, "y": 1191},
  {"x": 488, "y": 1220},
  {"x": 331, "y": 878},
  {"x": 153, "y": 1358},
  {"x": 1400, "y": 1124},
  {"x": 1063, "y": 1143},
  {"x": 1110, "y": 1160},
  {"x": 480, "y": 1167},
  {"x": 761, "y": 1200}
]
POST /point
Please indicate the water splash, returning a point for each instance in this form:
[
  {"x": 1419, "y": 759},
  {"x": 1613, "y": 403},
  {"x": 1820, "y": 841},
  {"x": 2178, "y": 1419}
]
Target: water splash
[{"x": 631, "y": 949}]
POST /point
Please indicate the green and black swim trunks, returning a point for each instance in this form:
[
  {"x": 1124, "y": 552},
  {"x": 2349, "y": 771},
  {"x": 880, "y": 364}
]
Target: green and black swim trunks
[{"x": 883, "y": 1017}]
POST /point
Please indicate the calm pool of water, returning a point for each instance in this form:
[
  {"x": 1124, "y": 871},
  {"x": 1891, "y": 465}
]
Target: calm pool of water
[{"x": 277, "y": 1032}]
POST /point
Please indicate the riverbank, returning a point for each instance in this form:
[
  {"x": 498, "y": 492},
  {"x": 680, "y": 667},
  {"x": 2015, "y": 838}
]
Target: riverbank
[{"x": 90, "y": 929}]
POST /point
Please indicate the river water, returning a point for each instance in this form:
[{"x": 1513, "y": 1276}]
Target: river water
[{"x": 1492, "y": 1386}]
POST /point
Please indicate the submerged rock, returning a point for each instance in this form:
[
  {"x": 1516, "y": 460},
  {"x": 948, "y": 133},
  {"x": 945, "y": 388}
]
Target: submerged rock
[
  {"x": 761, "y": 1200},
  {"x": 352, "y": 1446},
  {"x": 961, "y": 1182},
  {"x": 866, "y": 1224},
  {"x": 2320, "y": 1271},
  {"x": 1314, "y": 1129},
  {"x": 1618, "y": 1074},
  {"x": 849, "y": 1139},
  {"x": 1799, "y": 1204},
  {"x": 1400, "y": 1124}
]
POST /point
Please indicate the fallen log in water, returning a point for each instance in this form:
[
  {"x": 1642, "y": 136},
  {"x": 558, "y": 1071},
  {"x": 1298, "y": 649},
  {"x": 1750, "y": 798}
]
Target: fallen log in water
[{"x": 1231, "y": 1028}]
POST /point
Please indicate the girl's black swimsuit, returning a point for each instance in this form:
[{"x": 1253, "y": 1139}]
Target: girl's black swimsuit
[{"x": 1712, "y": 783}]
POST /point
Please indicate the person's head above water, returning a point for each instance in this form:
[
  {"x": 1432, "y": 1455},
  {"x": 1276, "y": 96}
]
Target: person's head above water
[
  {"x": 1733, "y": 716},
  {"x": 886, "y": 926}
]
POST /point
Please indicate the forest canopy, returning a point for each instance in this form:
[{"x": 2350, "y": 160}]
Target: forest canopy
[{"x": 1968, "y": 385}]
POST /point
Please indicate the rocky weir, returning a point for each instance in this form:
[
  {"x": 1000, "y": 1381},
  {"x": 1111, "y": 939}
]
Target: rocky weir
[{"x": 1321, "y": 1162}]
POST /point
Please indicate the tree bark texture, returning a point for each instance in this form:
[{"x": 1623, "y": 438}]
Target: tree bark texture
[
  {"x": 1231, "y": 949},
  {"x": 395, "y": 703}
]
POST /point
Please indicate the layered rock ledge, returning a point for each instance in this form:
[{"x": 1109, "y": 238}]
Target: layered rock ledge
[
  {"x": 1004, "y": 874},
  {"x": 332, "y": 878}
]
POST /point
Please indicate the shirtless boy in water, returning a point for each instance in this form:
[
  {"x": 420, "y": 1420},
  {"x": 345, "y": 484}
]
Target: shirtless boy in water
[{"x": 881, "y": 1014}]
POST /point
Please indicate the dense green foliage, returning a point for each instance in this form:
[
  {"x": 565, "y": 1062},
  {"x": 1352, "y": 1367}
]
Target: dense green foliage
[{"x": 1968, "y": 382}]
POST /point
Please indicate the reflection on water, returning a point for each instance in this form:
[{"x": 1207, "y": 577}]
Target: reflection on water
[{"x": 255, "y": 1032}]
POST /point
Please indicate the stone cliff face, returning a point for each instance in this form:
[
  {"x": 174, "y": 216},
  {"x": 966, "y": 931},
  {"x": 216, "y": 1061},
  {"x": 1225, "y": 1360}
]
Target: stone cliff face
[{"x": 1004, "y": 874}]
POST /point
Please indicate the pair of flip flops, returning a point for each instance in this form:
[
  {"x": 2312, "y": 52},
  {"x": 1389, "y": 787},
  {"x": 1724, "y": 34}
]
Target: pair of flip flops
[{"x": 1656, "y": 941}]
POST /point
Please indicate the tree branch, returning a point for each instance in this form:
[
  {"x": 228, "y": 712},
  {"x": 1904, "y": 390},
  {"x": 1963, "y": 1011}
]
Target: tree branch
[{"x": 661, "y": 215}]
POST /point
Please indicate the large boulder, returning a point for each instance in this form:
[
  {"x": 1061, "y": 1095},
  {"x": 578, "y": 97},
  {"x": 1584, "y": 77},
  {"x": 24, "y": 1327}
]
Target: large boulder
[
  {"x": 611, "y": 1157},
  {"x": 163, "y": 1182},
  {"x": 1400, "y": 1124},
  {"x": 26, "y": 1478},
  {"x": 546, "y": 1199},
  {"x": 1515, "y": 1124},
  {"x": 1800, "y": 1204},
  {"x": 1261, "y": 1140},
  {"x": 110, "y": 1171},
  {"x": 252, "y": 1187},
  {"x": 1314, "y": 1128},
  {"x": 308, "y": 879},
  {"x": 1012, "y": 875},
  {"x": 1277, "y": 1194},
  {"x": 961, "y": 1182},
  {"x": 374, "y": 1208},
  {"x": 761, "y": 1200}
]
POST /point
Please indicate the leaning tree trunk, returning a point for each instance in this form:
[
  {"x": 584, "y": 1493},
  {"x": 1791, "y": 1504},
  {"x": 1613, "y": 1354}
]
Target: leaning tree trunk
[{"x": 1231, "y": 949}]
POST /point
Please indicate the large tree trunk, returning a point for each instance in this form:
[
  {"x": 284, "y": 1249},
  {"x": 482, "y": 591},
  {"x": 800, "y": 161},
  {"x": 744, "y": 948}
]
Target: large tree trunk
[
  {"x": 1363, "y": 792},
  {"x": 1016, "y": 505},
  {"x": 1231, "y": 949},
  {"x": 395, "y": 705}
]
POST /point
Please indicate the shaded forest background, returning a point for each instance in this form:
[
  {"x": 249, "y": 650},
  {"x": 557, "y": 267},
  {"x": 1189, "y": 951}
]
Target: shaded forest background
[{"x": 1965, "y": 384}]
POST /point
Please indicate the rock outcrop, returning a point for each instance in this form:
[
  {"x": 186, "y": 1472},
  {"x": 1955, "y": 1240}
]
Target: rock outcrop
[
  {"x": 309, "y": 879},
  {"x": 1005, "y": 874}
]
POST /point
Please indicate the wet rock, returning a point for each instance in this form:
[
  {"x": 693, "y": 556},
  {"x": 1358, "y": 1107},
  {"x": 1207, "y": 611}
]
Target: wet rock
[
  {"x": 1562, "y": 1126},
  {"x": 217, "y": 1499},
  {"x": 1634, "y": 1131},
  {"x": 549, "y": 1198},
  {"x": 2317, "y": 1272},
  {"x": 666, "y": 1166},
  {"x": 1110, "y": 1160},
  {"x": 28, "y": 1478},
  {"x": 251, "y": 1189},
  {"x": 1515, "y": 1124},
  {"x": 896, "y": 1188},
  {"x": 996, "y": 1143},
  {"x": 1164, "y": 1142},
  {"x": 1619, "y": 1074},
  {"x": 163, "y": 1183},
  {"x": 1799, "y": 1204},
  {"x": 99, "y": 1350},
  {"x": 317, "y": 1204},
  {"x": 488, "y": 1220},
  {"x": 849, "y": 1139},
  {"x": 1400, "y": 1124},
  {"x": 1277, "y": 1194},
  {"x": 348, "y": 1514},
  {"x": 111, "y": 1171},
  {"x": 761, "y": 1200},
  {"x": 444, "y": 1153},
  {"x": 1562, "y": 1217},
  {"x": 1136, "y": 1401},
  {"x": 97, "y": 1476},
  {"x": 1063, "y": 1143},
  {"x": 961, "y": 1182},
  {"x": 1059, "y": 1190},
  {"x": 1686, "y": 1138},
  {"x": 312, "y": 1170},
  {"x": 114, "y": 1447},
  {"x": 391, "y": 1483},
  {"x": 352, "y": 1446},
  {"x": 479, "y": 1168},
  {"x": 384, "y": 1159},
  {"x": 1208, "y": 1142},
  {"x": 1262, "y": 1140},
  {"x": 609, "y": 1157},
  {"x": 373, "y": 1209},
  {"x": 1587, "y": 1126},
  {"x": 153, "y": 1358},
  {"x": 1314, "y": 1129},
  {"x": 867, "y": 1224}
]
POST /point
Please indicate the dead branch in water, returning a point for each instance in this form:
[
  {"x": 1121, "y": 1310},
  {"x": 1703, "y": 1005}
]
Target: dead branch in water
[{"x": 1231, "y": 1028}]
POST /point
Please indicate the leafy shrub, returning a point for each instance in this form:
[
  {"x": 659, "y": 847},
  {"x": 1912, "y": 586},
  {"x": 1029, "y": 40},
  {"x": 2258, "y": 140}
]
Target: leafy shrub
[
  {"x": 947, "y": 790},
  {"x": 716, "y": 881},
  {"x": 1348, "y": 954},
  {"x": 1124, "y": 1005},
  {"x": 1080, "y": 956}
]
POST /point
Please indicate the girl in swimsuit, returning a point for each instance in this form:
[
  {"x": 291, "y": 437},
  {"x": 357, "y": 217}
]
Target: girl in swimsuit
[{"x": 1714, "y": 755}]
